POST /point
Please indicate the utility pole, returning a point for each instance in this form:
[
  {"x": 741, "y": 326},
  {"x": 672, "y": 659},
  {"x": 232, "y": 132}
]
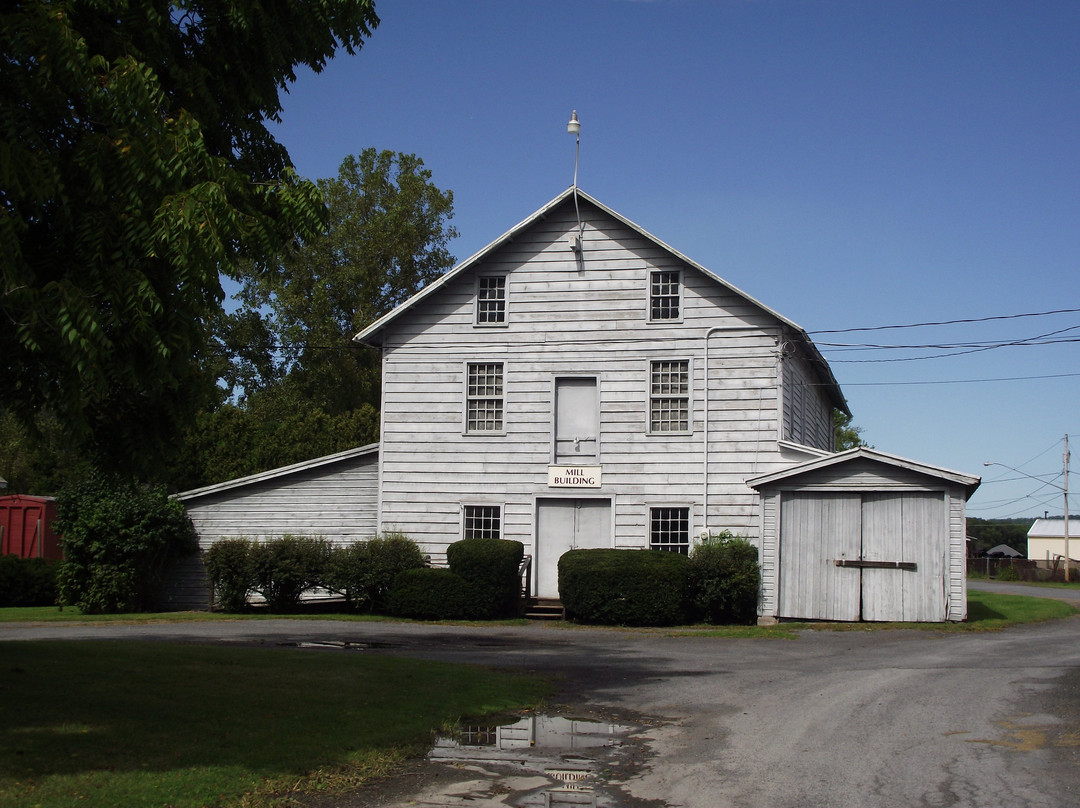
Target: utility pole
[{"x": 1066, "y": 487}]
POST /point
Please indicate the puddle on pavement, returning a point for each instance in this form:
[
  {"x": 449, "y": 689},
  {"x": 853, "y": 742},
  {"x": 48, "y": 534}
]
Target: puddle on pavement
[
  {"x": 339, "y": 645},
  {"x": 538, "y": 760}
]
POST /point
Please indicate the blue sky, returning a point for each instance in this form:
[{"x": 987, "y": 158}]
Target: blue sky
[{"x": 850, "y": 164}]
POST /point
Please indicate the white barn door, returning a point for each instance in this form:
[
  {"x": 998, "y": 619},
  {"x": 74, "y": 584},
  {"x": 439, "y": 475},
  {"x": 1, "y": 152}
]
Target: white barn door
[
  {"x": 909, "y": 528},
  {"x": 815, "y": 529},
  {"x": 873, "y": 534},
  {"x": 567, "y": 524}
]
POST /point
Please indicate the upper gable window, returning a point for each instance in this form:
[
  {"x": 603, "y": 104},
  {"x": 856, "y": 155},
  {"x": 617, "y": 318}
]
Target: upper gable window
[
  {"x": 491, "y": 300},
  {"x": 665, "y": 294}
]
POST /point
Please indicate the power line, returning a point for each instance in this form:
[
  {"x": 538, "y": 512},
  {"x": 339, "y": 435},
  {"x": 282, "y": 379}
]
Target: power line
[{"x": 947, "y": 322}]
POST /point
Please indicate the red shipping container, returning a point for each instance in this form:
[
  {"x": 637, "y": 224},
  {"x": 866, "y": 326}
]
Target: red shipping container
[{"x": 26, "y": 527}]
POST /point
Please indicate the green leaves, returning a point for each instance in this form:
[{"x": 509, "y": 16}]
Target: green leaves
[
  {"x": 119, "y": 539},
  {"x": 135, "y": 166}
]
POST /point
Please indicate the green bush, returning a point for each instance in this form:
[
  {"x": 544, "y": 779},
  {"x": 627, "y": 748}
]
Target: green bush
[
  {"x": 348, "y": 573},
  {"x": 490, "y": 567},
  {"x": 285, "y": 568},
  {"x": 119, "y": 539},
  {"x": 229, "y": 566},
  {"x": 388, "y": 556},
  {"x": 1006, "y": 572},
  {"x": 27, "y": 581},
  {"x": 431, "y": 594},
  {"x": 725, "y": 579},
  {"x": 625, "y": 587}
]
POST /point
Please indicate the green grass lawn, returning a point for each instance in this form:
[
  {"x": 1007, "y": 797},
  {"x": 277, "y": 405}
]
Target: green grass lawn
[
  {"x": 154, "y": 724},
  {"x": 157, "y": 724}
]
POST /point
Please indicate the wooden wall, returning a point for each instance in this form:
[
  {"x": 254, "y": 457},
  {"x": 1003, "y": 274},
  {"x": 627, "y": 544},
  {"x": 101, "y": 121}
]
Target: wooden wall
[{"x": 567, "y": 318}]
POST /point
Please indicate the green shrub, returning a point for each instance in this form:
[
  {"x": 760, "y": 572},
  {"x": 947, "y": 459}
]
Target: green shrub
[
  {"x": 348, "y": 573},
  {"x": 27, "y": 581},
  {"x": 229, "y": 566},
  {"x": 625, "y": 587},
  {"x": 1006, "y": 572},
  {"x": 490, "y": 567},
  {"x": 725, "y": 580},
  {"x": 431, "y": 594},
  {"x": 388, "y": 556},
  {"x": 285, "y": 568},
  {"x": 119, "y": 539}
]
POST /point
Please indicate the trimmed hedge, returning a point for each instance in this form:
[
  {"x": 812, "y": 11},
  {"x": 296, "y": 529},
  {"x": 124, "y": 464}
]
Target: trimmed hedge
[
  {"x": 725, "y": 579},
  {"x": 625, "y": 587},
  {"x": 27, "y": 581},
  {"x": 286, "y": 568},
  {"x": 431, "y": 594},
  {"x": 282, "y": 569},
  {"x": 490, "y": 567},
  {"x": 228, "y": 565},
  {"x": 363, "y": 573}
]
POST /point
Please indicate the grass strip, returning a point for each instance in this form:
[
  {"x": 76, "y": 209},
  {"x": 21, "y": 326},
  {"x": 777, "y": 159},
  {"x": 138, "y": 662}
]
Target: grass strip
[
  {"x": 153, "y": 724},
  {"x": 987, "y": 611}
]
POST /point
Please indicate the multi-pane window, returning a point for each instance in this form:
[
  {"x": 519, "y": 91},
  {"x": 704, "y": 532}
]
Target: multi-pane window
[
  {"x": 669, "y": 529},
  {"x": 484, "y": 397},
  {"x": 664, "y": 295},
  {"x": 482, "y": 522},
  {"x": 491, "y": 299},
  {"x": 669, "y": 396}
]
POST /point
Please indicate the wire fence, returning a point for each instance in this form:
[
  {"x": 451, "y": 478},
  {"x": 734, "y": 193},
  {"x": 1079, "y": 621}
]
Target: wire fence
[{"x": 1020, "y": 569}]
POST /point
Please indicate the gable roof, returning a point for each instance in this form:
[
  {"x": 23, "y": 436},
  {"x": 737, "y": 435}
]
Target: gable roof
[
  {"x": 969, "y": 482},
  {"x": 1053, "y": 527},
  {"x": 372, "y": 335},
  {"x": 273, "y": 474}
]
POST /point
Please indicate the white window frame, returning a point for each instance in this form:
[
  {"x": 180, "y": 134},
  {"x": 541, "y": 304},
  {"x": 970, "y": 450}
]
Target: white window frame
[
  {"x": 670, "y": 546},
  {"x": 656, "y": 396},
  {"x": 678, "y": 296},
  {"x": 496, "y": 533},
  {"x": 472, "y": 396},
  {"x": 500, "y": 302}
]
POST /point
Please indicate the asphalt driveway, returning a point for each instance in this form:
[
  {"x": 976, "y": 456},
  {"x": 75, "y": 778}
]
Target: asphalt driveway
[{"x": 833, "y": 718}]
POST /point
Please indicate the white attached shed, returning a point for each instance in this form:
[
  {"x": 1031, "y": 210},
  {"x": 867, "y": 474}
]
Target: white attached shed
[
  {"x": 334, "y": 497},
  {"x": 864, "y": 535}
]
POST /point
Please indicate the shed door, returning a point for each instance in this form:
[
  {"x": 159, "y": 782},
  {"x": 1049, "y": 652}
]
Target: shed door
[
  {"x": 567, "y": 524},
  {"x": 815, "y": 529},
  {"x": 818, "y": 529},
  {"x": 576, "y": 421},
  {"x": 908, "y": 527}
]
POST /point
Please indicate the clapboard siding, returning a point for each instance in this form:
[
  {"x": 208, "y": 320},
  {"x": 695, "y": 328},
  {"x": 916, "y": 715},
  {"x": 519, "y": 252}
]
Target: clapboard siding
[
  {"x": 335, "y": 497},
  {"x": 589, "y": 319}
]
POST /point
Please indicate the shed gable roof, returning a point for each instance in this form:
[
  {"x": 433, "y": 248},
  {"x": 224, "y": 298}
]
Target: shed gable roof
[
  {"x": 283, "y": 471},
  {"x": 373, "y": 334},
  {"x": 967, "y": 481}
]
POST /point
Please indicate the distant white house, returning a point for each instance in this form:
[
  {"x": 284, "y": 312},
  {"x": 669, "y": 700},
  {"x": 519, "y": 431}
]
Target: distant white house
[{"x": 1046, "y": 540}]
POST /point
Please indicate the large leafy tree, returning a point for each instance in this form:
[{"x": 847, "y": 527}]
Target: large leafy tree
[
  {"x": 386, "y": 238},
  {"x": 302, "y": 387},
  {"x": 135, "y": 165}
]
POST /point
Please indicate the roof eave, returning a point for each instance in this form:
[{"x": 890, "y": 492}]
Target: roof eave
[{"x": 271, "y": 474}]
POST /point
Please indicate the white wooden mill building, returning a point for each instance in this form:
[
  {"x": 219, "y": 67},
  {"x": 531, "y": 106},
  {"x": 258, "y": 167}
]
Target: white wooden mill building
[{"x": 579, "y": 383}]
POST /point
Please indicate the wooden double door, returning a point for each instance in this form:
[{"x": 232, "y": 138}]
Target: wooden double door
[{"x": 863, "y": 556}]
